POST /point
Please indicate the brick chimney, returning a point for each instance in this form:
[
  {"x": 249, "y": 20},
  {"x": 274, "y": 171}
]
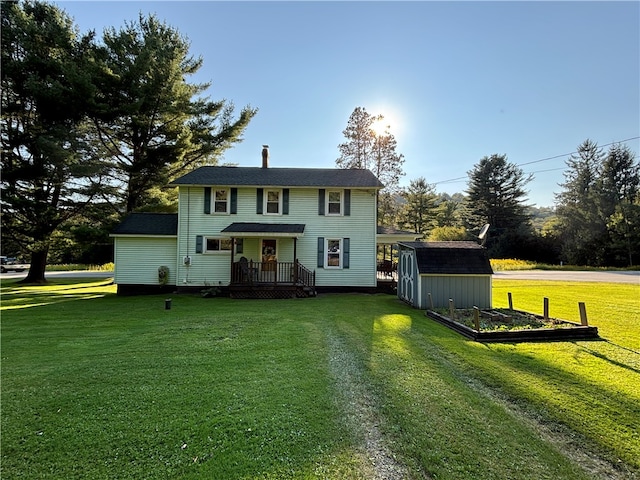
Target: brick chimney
[{"x": 265, "y": 156}]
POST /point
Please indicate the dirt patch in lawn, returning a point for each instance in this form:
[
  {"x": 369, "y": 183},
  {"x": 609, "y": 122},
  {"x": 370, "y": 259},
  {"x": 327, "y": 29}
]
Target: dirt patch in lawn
[{"x": 358, "y": 405}]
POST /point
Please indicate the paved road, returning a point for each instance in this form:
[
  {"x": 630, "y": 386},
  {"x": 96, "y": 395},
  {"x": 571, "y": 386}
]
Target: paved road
[
  {"x": 71, "y": 274},
  {"x": 632, "y": 277}
]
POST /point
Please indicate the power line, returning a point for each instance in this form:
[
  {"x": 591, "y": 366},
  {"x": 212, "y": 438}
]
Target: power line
[{"x": 458, "y": 179}]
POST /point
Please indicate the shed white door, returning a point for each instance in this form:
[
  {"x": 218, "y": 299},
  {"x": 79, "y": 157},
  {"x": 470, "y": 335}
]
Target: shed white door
[{"x": 407, "y": 276}]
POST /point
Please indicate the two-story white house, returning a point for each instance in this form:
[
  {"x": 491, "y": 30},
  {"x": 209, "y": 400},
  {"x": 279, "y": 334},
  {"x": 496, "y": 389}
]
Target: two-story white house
[{"x": 256, "y": 231}]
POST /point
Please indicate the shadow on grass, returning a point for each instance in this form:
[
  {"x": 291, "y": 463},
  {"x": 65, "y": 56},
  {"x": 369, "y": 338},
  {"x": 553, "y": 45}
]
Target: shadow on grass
[
  {"x": 17, "y": 296},
  {"x": 605, "y": 358}
]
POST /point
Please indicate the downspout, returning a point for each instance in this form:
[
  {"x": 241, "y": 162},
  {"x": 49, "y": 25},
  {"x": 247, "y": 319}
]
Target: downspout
[{"x": 186, "y": 279}]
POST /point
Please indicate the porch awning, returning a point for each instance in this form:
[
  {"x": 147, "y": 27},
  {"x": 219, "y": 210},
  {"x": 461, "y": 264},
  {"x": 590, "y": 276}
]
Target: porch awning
[
  {"x": 248, "y": 229},
  {"x": 387, "y": 236}
]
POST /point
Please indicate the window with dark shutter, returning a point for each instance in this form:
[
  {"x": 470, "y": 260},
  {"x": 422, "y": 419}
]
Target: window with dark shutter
[
  {"x": 347, "y": 202},
  {"x": 199, "y": 243},
  {"x": 345, "y": 252},
  {"x": 259, "y": 199},
  {"x": 234, "y": 201},
  {"x": 285, "y": 201},
  {"x": 321, "y": 193},
  {"x": 320, "y": 252},
  {"x": 207, "y": 199}
]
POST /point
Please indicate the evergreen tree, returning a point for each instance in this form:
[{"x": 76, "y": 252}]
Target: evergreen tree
[
  {"x": 582, "y": 224},
  {"x": 448, "y": 210},
  {"x": 390, "y": 206},
  {"x": 152, "y": 124},
  {"x": 420, "y": 206},
  {"x": 47, "y": 90},
  {"x": 496, "y": 195},
  {"x": 620, "y": 195}
]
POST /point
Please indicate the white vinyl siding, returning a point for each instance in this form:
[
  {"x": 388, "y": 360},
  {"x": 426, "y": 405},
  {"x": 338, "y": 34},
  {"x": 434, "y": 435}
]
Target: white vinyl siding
[
  {"x": 359, "y": 227},
  {"x": 137, "y": 259}
]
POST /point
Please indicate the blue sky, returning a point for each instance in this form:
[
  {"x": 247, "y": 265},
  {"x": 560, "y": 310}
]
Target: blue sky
[{"x": 457, "y": 81}]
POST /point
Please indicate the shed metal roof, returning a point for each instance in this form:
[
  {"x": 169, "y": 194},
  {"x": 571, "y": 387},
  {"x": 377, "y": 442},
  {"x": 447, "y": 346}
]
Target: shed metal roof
[
  {"x": 280, "y": 177},
  {"x": 451, "y": 258}
]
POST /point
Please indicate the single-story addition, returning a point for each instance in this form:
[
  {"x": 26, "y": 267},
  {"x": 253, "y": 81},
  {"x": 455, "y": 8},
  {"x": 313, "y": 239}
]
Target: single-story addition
[{"x": 447, "y": 270}]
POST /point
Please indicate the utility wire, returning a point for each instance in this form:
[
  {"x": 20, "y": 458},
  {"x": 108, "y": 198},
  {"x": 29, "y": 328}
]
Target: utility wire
[{"x": 458, "y": 179}]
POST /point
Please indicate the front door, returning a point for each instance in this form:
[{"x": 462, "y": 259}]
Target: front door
[{"x": 269, "y": 258}]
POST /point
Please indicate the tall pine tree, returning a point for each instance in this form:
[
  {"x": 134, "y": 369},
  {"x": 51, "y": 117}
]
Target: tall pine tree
[
  {"x": 496, "y": 195},
  {"x": 375, "y": 151},
  {"x": 582, "y": 225},
  {"x": 47, "y": 90},
  {"x": 151, "y": 123}
]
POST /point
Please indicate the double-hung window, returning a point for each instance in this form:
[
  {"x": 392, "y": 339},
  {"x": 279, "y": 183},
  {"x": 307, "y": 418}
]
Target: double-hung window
[
  {"x": 334, "y": 202},
  {"x": 273, "y": 202},
  {"x": 221, "y": 200},
  {"x": 334, "y": 253}
]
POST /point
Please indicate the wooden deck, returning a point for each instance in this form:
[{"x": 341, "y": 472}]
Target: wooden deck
[{"x": 271, "y": 280}]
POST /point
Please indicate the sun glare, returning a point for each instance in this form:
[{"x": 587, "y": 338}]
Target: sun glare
[
  {"x": 381, "y": 127},
  {"x": 388, "y": 125}
]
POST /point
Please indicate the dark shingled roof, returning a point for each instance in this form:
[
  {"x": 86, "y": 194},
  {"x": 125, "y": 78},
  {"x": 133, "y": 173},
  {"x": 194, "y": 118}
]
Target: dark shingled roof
[
  {"x": 247, "y": 227},
  {"x": 148, "y": 224},
  {"x": 394, "y": 231},
  {"x": 280, "y": 177},
  {"x": 462, "y": 258}
]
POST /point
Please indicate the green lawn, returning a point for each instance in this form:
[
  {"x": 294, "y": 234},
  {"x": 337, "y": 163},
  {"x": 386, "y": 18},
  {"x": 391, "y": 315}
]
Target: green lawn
[{"x": 336, "y": 387}]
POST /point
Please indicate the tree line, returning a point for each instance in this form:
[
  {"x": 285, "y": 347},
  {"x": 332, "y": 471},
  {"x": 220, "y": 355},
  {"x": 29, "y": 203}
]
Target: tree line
[
  {"x": 95, "y": 127},
  {"x": 596, "y": 219}
]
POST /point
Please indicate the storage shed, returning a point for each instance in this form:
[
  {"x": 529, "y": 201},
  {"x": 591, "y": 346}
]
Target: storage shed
[{"x": 457, "y": 270}]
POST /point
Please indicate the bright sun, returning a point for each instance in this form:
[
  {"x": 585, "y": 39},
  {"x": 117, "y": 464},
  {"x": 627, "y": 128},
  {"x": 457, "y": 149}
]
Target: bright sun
[
  {"x": 381, "y": 127},
  {"x": 388, "y": 125}
]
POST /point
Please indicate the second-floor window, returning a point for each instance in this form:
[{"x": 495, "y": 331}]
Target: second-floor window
[
  {"x": 334, "y": 202},
  {"x": 221, "y": 200},
  {"x": 273, "y": 202}
]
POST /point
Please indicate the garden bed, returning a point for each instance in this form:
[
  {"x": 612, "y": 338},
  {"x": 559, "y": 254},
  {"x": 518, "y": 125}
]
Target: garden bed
[{"x": 504, "y": 325}]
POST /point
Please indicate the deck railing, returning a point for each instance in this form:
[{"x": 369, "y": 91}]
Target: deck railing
[{"x": 291, "y": 273}]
